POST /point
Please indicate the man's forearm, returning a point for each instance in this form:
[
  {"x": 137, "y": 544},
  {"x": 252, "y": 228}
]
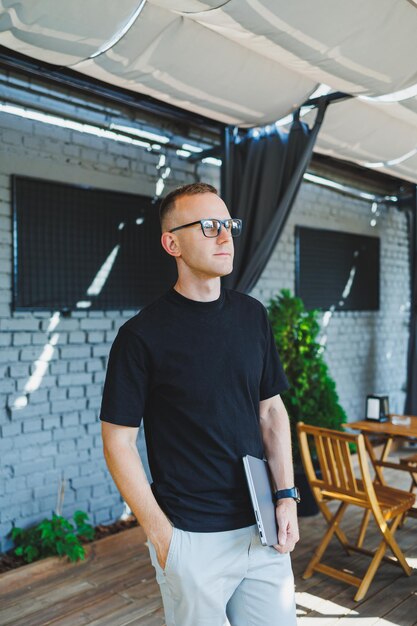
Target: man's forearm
[
  {"x": 127, "y": 470},
  {"x": 276, "y": 435}
]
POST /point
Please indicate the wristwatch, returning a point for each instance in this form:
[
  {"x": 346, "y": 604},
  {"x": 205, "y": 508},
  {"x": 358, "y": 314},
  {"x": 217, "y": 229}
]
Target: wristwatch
[{"x": 288, "y": 493}]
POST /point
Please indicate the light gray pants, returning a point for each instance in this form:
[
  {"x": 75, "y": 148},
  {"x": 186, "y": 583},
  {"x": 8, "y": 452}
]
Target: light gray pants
[{"x": 211, "y": 577}]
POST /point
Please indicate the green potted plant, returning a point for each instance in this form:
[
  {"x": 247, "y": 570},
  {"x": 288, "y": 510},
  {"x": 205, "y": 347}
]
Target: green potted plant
[{"x": 312, "y": 396}]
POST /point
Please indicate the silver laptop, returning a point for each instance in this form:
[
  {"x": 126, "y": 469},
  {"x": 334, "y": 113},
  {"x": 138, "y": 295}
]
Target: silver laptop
[{"x": 261, "y": 493}]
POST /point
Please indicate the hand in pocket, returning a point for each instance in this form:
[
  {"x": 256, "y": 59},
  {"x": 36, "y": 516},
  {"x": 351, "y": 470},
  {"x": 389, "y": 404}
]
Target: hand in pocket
[{"x": 162, "y": 548}]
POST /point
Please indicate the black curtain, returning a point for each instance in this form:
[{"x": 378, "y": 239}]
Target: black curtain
[
  {"x": 260, "y": 185},
  {"x": 410, "y": 407}
]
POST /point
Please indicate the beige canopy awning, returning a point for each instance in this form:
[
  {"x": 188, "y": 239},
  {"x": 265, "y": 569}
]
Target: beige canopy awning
[{"x": 247, "y": 62}]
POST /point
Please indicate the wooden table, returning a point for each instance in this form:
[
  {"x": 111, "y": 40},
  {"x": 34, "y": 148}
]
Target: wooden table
[{"x": 389, "y": 432}]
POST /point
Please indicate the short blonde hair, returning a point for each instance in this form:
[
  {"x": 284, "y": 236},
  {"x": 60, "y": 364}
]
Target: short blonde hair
[{"x": 168, "y": 203}]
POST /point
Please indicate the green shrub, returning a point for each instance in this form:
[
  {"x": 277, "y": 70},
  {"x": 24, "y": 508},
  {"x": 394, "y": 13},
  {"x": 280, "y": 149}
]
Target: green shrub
[
  {"x": 51, "y": 537},
  {"x": 312, "y": 396}
]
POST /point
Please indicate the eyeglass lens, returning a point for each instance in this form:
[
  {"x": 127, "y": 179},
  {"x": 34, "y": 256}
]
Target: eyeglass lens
[{"x": 211, "y": 228}]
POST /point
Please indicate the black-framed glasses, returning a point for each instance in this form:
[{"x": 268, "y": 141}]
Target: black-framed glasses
[{"x": 211, "y": 227}]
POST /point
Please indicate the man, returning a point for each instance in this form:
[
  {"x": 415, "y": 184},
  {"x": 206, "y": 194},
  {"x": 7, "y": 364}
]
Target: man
[{"x": 200, "y": 365}]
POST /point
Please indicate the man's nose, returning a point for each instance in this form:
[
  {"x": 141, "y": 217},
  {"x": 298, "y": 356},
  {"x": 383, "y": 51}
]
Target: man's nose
[{"x": 224, "y": 234}]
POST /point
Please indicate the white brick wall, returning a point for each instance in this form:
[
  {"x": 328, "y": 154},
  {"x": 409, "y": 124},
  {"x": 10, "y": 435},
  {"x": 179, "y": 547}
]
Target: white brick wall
[
  {"x": 366, "y": 351},
  {"x": 57, "y": 434}
]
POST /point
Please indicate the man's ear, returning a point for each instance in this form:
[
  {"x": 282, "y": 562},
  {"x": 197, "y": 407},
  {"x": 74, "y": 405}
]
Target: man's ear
[{"x": 170, "y": 244}]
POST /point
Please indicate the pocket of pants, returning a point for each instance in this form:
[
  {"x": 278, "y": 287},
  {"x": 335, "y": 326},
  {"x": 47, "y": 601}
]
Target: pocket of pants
[{"x": 171, "y": 549}]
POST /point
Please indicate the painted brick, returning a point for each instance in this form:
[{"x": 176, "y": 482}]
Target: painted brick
[
  {"x": 50, "y": 449},
  {"x": 31, "y": 410},
  {"x": 19, "y": 324},
  {"x": 94, "y": 403},
  {"x": 34, "y": 479},
  {"x": 32, "y": 425},
  {"x": 7, "y": 385},
  {"x": 99, "y": 351},
  {"x": 35, "y": 438},
  {"x": 95, "y": 365},
  {"x": 28, "y": 453},
  {"x": 75, "y": 352},
  {"x": 74, "y": 379},
  {"x": 77, "y": 337},
  {"x": 52, "y": 421},
  {"x": 57, "y": 393},
  {"x": 10, "y": 430},
  {"x": 40, "y": 395},
  {"x": 33, "y": 354},
  {"x": 84, "y": 443},
  {"x": 95, "y": 337},
  {"x": 99, "y": 377},
  {"x": 95, "y": 324},
  {"x": 77, "y": 366},
  {"x": 19, "y": 369},
  {"x": 59, "y": 367},
  {"x": 38, "y": 465},
  {"x": 68, "y": 406},
  {"x": 76, "y": 392},
  {"x": 65, "y": 324},
  {"x": 72, "y": 432},
  {"x": 9, "y": 355},
  {"x": 66, "y": 446},
  {"x": 87, "y": 417},
  {"x": 71, "y": 419}
]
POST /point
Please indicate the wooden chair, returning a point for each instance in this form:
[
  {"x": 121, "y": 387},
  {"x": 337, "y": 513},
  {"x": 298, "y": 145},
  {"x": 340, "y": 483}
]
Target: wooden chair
[
  {"x": 338, "y": 482},
  {"x": 409, "y": 464}
]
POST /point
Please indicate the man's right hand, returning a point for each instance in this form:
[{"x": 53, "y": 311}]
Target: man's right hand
[{"x": 162, "y": 545}]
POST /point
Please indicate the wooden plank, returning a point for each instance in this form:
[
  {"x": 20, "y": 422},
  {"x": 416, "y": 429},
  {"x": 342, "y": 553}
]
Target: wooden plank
[
  {"x": 82, "y": 615},
  {"x": 125, "y": 615},
  {"x": 110, "y": 587},
  {"x": 16, "y": 613},
  {"x": 331, "y": 463},
  {"x": 50, "y": 584},
  {"x": 383, "y": 602},
  {"x": 347, "y": 457},
  {"x": 404, "y": 613},
  {"x": 321, "y": 454}
]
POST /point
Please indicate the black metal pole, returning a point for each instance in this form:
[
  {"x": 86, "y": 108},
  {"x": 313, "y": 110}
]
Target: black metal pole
[
  {"x": 410, "y": 407},
  {"x": 225, "y": 175}
]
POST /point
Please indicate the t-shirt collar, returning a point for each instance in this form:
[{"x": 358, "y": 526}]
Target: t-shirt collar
[{"x": 196, "y": 305}]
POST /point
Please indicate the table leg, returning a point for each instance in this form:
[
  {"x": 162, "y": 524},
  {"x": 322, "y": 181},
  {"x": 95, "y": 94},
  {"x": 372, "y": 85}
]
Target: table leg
[{"x": 379, "y": 476}]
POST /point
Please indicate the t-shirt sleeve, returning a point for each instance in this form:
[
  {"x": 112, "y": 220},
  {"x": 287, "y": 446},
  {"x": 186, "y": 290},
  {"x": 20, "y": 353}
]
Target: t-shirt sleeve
[
  {"x": 274, "y": 380},
  {"x": 126, "y": 383}
]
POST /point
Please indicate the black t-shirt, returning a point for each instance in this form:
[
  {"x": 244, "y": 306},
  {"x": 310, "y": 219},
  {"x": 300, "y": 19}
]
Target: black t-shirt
[{"x": 196, "y": 371}]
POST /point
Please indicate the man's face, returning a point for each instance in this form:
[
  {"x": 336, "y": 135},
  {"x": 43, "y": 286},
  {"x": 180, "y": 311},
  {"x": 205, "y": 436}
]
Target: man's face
[{"x": 207, "y": 256}]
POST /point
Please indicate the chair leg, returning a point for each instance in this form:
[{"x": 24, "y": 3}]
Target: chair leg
[
  {"x": 328, "y": 516},
  {"x": 388, "y": 534},
  {"x": 332, "y": 529},
  {"x": 371, "y": 571},
  {"x": 363, "y": 528},
  {"x": 411, "y": 490},
  {"x": 387, "y": 541}
]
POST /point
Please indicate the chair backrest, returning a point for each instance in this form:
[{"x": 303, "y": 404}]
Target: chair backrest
[{"x": 337, "y": 476}]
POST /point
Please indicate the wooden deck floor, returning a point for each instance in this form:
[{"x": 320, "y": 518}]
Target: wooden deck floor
[{"x": 116, "y": 586}]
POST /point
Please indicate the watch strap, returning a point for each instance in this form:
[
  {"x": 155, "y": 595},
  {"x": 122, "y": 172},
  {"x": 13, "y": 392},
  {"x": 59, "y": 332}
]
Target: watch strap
[{"x": 293, "y": 493}]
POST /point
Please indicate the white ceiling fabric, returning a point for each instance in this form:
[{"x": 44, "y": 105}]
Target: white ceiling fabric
[{"x": 245, "y": 62}]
